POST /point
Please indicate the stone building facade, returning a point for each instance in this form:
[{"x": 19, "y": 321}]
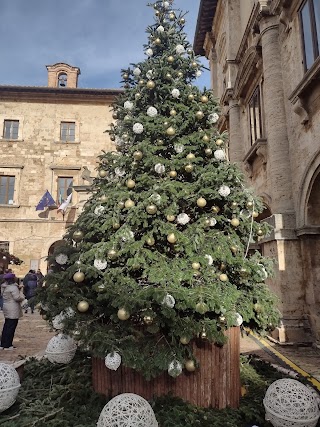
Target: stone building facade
[
  {"x": 265, "y": 69},
  {"x": 50, "y": 139}
]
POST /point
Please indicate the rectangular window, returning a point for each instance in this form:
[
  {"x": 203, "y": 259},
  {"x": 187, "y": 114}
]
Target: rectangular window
[
  {"x": 310, "y": 24},
  {"x": 255, "y": 116},
  {"x": 6, "y": 189},
  {"x": 11, "y": 129},
  {"x": 4, "y": 246},
  {"x": 67, "y": 131},
  {"x": 64, "y": 188}
]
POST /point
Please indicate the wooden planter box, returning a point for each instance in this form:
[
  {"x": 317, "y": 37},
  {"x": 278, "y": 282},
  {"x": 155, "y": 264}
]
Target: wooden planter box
[{"x": 216, "y": 383}]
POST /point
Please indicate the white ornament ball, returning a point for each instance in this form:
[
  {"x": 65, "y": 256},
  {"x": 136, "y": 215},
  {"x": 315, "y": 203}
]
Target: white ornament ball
[
  {"x": 62, "y": 259},
  {"x": 113, "y": 361},
  {"x": 100, "y": 264},
  {"x": 137, "y": 128},
  {"x": 212, "y": 222},
  {"x": 57, "y": 321},
  {"x": 128, "y": 105},
  {"x": 149, "y": 74},
  {"x": 136, "y": 72},
  {"x": 174, "y": 368},
  {"x": 160, "y": 29},
  {"x": 213, "y": 118},
  {"x": 263, "y": 272},
  {"x": 219, "y": 155},
  {"x": 9, "y": 386},
  {"x": 160, "y": 168},
  {"x": 61, "y": 349},
  {"x": 224, "y": 191},
  {"x": 169, "y": 301},
  {"x": 183, "y": 219},
  {"x": 152, "y": 111},
  {"x": 99, "y": 210},
  {"x": 238, "y": 320},
  {"x": 289, "y": 403},
  {"x": 149, "y": 52},
  {"x": 166, "y": 4},
  {"x": 179, "y": 148},
  {"x": 180, "y": 49},
  {"x": 119, "y": 172},
  {"x": 175, "y": 93},
  {"x": 198, "y": 73},
  {"x": 209, "y": 259},
  {"x": 127, "y": 410}
]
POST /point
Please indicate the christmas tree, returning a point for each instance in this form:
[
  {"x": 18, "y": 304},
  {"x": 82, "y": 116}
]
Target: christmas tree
[{"x": 160, "y": 255}]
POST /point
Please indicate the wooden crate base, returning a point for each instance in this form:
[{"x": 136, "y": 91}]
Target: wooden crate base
[{"x": 215, "y": 384}]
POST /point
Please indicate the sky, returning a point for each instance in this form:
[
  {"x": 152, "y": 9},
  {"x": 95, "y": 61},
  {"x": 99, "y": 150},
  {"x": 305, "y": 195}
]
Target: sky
[{"x": 101, "y": 37}]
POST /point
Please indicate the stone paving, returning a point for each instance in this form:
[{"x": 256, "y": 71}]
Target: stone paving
[{"x": 33, "y": 334}]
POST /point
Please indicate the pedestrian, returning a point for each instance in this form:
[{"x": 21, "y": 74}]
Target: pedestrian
[
  {"x": 12, "y": 294},
  {"x": 30, "y": 283},
  {"x": 40, "y": 278},
  {"x": 1, "y": 281}
]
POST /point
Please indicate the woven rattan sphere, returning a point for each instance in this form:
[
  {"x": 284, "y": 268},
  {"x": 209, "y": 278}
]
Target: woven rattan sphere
[
  {"x": 9, "y": 386},
  {"x": 61, "y": 349},
  {"x": 127, "y": 410},
  {"x": 289, "y": 403}
]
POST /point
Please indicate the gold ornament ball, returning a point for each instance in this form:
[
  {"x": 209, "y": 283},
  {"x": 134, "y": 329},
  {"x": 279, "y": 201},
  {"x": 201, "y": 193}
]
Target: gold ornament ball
[
  {"x": 207, "y": 222},
  {"x": 190, "y": 156},
  {"x": 180, "y": 74},
  {"x": 172, "y": 174},
  {"x": 157, "y": 41},
  {"x": 125, "y": 76},
  {"x": 249, "y": 205},
  {"x": 203, "y": 335},
  {"x": 235, "y": 222},
  {"x": 77, "y": 236},
  {"x": 222, "y": 319},
  {"x": 255, "y": 214},
  {"x": 171, "y": 238},
  {"x": 44, "y": 317},
  {"x": 104, "y": 198},
  {"x": 78, "y": 277},
  {"x": 166, "y": 124},
  {"x": 131, "y": 183},
  {"x": 112, "y": 254},
  {"x": 115, "y": 115},
  {"x": 137, "y": 95},
  {"x": 201, "y": 307},
  {"x": 171, "y": 218},
  {"x": 151, "y": 209},
  {"x": 222, "y": 266},
  {"x": 83, "y": 306},
  {"x": 208, "y": 152},
  {"x": 141, "y": 82},
  {"x": 223, "y": 277},
  {"x": 157, "y": 13},
  {"x": 170, "y": 131},
  {"x": 172, "y": 16},
  {"x": 234, "y": 205},
  {"x": 219, "y": 142},
  {"x": 148, "y": 320},
  {"x": 168, "y": 76},
  {"x": 173, "y": 113},
  {"x": 170, "y": 59},
  {"x": 112, "y": 138},
  {"x": 102, "y": 173},
  {"x": 215, "y": 209},
  {"x": 190, "y": 366},
  {"x": 184, "y": 340},
  {"x": 234, "y": 249},
  {"x": 121, "y": 204},
  {"x": 205, "y": 138},
  {"x": 125, "y": 137},
  {"x": 190, "y": 97},
  {"x": 115, "y": 225},
  {"x": 243, "y": 272},
  {"x": 151, "y": 84},
  {"x": 137, "y": 155},
  {"x": 194, "y": 64},
  {"x": 257, "y": 307},
  {"x": 182, "y": 21},
  {"x": 150, "y": 241},
  {"x": 159, "y": 141},
  {"x": 201, "y": 202},
  {"x": 129, "y": 203},
  {"x": 196, "y": 265},
  {"x": 123, "y": 314},
  {"x": 199, "y": 115},
  {"x": 204, "y": 99},
  {"x": 260, "y": 232},
  {"x": 188, "y": 168}
]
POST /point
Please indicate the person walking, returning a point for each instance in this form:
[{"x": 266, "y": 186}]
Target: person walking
[
  {"x": 30, "y": 283},
  {"x": 12, "y": 294},
  {"x": 1, "y": 281},
  {"x": 40, "y": 278}
]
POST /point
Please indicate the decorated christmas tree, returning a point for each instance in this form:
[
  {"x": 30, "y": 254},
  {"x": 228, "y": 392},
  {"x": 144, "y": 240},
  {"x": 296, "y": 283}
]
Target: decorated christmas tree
[{"x": 161, "y": 254}]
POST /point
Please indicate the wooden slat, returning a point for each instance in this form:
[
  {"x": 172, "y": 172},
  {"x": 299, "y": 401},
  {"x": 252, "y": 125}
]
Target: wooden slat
[{"x": 216, "y": 383}]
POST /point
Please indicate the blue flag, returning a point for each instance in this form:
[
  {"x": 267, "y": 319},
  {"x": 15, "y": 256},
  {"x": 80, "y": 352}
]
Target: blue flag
[{"x": 46, "y": 200}]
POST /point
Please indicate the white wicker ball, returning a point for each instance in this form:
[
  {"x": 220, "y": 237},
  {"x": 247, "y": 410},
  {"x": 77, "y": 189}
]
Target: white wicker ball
[
  {"x": 61, "y": 349},
  {"x": 57, "y": 321},
  {"x": 152, "y": 111},
  {"x": 224, "y": 190},
  {"x": 180, "y": 49},
  {"x": 219, "y": 155},
  {"x": 175, "y": 93},
  {"x": 289, "y": 403},
  {"x": 62, "y": 259},
  {"x": 174, "y": 368},
  {"x": 213, "y": 118},
  {"x": 137, "y": 72},
  {"x": 160, "y": 29},
  {"x": 198, "y": 73},
  {"x": 113, "y": 361},
  {"x": 209, "y": 259},
  {"x": 127, "y": 410},
  {"x": 149, "y": 74},
  {"x": 137, "y": 128},
  {"x": 183, "y": 219},
  {"x": 99, "y": 210},
  {"x": 169, "y": 301},
  {"x": 128, "y": 105},
  {"x": 9, "y": 386},
  {"x": 160, "y": 168},
  {"x": 166, "y": 4},
  {"x": 238, "y": 319},
  {"x": 100, "y": 264},
  {"x": 149, "y": 52}
]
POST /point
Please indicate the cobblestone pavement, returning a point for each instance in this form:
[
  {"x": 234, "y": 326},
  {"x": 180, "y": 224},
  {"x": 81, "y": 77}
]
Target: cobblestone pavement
[{"x": 33, "y": 334}]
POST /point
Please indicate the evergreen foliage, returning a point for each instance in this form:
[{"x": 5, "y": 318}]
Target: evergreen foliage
[{"x": 160, "y": 254}]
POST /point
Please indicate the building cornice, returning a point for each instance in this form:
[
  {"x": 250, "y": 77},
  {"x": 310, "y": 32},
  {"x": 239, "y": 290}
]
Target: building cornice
[{"x": 207, "y": 10}]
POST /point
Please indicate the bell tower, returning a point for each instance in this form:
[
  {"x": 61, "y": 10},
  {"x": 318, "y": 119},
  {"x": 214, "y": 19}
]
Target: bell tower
[{"x": 62, "y": 75}]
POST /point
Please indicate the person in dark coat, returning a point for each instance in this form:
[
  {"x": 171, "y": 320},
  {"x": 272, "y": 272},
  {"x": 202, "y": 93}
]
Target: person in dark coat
[
  {"x": 12, "y": 294},
  {"x": 1, "y": 281},
  {"x": 30, "y": 283}
]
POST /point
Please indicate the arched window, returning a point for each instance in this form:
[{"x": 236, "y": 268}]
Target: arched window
[{"x": 62, "y": 80}]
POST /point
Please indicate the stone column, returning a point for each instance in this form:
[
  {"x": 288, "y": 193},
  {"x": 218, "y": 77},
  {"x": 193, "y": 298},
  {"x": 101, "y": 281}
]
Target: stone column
[
  {"x": 279, "y": 172},
  {"x": 235, "y": 136}
]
